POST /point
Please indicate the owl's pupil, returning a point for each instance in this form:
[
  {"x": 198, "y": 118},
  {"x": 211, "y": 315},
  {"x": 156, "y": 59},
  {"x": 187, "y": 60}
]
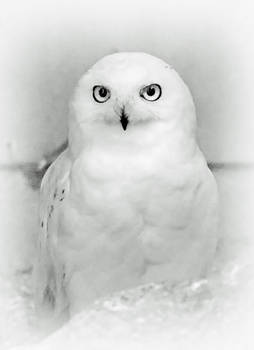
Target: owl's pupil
[
  {"x": 103, "y": 92},
  {"x": 150, "y": 91}
]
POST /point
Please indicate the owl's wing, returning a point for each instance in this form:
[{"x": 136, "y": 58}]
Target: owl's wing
[{"x": 47, "y": 272}]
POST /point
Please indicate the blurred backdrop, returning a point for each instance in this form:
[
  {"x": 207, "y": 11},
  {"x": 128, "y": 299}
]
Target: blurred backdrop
[{"x": 46, "y": 47}]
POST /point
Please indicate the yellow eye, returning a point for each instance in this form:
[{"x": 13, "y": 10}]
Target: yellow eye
[
  {"x": 101, "y": 93},
  {"x": 151, "y": 92}
]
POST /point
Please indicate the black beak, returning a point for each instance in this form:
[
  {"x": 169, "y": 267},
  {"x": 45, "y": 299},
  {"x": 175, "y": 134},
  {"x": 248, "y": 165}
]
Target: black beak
[{"x": 124, "y": 119}]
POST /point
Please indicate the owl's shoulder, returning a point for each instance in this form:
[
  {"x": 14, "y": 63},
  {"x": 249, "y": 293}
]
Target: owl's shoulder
[
  {"x": 54, "y": 186},
  {"x": 57, "y": 172}
]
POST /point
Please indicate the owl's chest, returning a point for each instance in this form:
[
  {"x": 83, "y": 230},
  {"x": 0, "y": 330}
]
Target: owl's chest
[
  {"x": 129, "y": 188},
  {"x": 123, "y": 177},
  {"x": 118, "y": 208}
]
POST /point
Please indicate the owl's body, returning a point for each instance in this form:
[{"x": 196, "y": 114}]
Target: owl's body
[{"x": 125, "y": 207}]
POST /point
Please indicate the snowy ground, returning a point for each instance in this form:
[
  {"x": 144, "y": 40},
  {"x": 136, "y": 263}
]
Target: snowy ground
[{"x": 216, "y": 313}]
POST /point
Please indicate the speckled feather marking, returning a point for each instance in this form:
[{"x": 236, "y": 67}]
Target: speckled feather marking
[{"x": 53, "y": 191}]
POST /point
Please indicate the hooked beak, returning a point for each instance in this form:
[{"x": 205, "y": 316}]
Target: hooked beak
[{"x": 124, "y": 119}]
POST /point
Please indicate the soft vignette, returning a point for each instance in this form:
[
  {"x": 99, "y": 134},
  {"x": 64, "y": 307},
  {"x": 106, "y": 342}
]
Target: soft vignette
[{"x": 45, "y": 48}]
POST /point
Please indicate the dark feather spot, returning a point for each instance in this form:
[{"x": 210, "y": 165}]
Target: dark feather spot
[
  {"x": 51, "y": 210},
  {"x": 49, "y": 296},
  {"x": 42, "y": 224}
]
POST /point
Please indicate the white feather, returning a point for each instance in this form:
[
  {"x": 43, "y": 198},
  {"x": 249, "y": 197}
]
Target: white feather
[{"x": 120, "y": 208}]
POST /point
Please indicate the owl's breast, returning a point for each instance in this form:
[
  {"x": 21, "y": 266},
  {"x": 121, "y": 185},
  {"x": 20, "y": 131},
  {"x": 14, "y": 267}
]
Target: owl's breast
[
  {"x": 131, "y": 214},
  {"x": 121, "y": 192}
]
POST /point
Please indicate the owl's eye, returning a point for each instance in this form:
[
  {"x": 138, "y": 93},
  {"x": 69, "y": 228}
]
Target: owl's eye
[
  {"x": 151, "y": 92},
  {"x": 101, "y": 93}
]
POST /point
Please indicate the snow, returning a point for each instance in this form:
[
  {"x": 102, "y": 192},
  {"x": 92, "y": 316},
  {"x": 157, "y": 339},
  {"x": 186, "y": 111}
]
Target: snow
[{"x": 216, "y": 312}]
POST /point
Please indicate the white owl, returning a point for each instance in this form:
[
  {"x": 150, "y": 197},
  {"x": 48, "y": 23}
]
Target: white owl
[{"x": 131, "y": 200}]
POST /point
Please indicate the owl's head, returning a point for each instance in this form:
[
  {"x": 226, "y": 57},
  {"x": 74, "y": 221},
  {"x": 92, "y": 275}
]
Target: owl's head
[{"x": 129, "y": 90}]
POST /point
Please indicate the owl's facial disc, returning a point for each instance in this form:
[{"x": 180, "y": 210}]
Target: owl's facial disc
[{"x": 142, "y": 95}]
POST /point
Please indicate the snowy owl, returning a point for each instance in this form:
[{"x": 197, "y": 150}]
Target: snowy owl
[{"x": 131, "y": 200}]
